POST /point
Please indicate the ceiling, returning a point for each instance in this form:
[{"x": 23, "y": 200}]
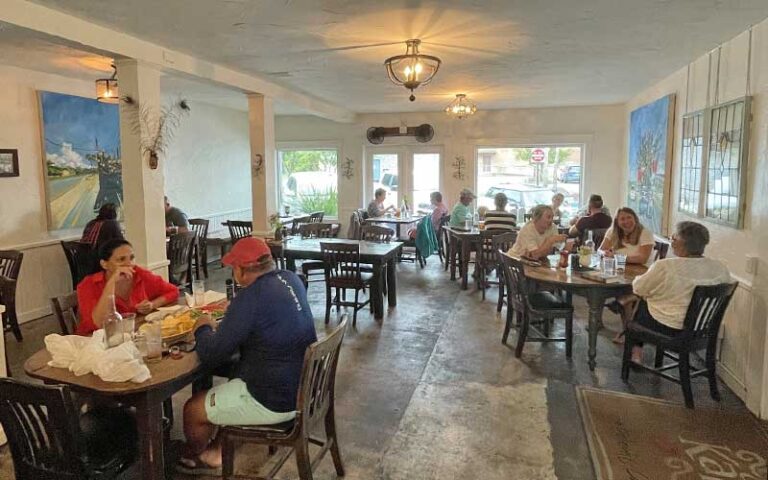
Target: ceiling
[{"x": 503, "y": 53}]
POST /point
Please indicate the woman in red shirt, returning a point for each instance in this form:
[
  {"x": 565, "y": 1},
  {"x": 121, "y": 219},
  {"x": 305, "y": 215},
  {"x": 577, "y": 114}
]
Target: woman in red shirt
[{"x": 136, "y": 290}]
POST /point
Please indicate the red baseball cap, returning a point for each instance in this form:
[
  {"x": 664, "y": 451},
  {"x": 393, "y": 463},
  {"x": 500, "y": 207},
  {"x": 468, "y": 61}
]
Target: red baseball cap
[{"x": 246, "y": 250}]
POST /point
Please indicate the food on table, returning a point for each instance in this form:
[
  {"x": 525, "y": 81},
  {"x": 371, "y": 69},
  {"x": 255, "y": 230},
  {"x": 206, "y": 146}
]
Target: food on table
[{"x": 172, "y": 325}]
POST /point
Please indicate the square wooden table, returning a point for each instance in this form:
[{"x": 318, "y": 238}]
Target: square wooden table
[
  {"x": 373, "y": 253},
  {"x": 468, "y": 240}
]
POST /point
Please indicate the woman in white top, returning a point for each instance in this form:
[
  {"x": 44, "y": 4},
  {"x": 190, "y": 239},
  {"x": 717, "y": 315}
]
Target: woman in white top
[
  {"x": 538, "y": 236},
  {"x": 628, "y": 236},
  {"x": 667, "y": 287}
]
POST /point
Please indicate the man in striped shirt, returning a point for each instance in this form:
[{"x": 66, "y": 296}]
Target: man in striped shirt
[{"x": 500, "y": 219}]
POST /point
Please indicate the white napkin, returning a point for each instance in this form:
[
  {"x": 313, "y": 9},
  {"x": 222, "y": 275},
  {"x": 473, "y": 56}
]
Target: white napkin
[
  {"x": 210, "y": 297},
  {"x": 83, "y": 355}
]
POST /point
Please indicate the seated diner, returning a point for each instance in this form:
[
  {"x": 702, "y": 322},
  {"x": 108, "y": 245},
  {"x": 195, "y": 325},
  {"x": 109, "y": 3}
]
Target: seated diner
[
  {"x": 596, "y": 217},
  {"x": 537, "y": 237},
  {"x": 499, "y": 218},
  {"x": 376, "y": 207},
  {"x": 629, "y": 237},
  {"x": 461, "y": 209}
]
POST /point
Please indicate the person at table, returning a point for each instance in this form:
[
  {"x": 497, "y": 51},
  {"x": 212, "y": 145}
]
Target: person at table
[
  {"x": 439, "y": 210},
  {"x": 461, "y": 209},
  {"x": 136, "y": 290},
  {"x": 102, "y": 228},
  {"x": 557, "y": 202},
  {"x": 666, "y": 289},
  {"x": 628, "y": 236},
  {"x": 499, "y": 218},
  {"x": 537, "y": 237},
  {"x": 176, "y": 221},
  {"x": 596, "y": 218},
  {"x": 376, "y": 207},
  {"x": 584, "y": 211},
  {"x": 270, "y": 323}
]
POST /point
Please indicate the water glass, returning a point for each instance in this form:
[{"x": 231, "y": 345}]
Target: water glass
[
  {"x": 609, "y": 266},
  {"x": 153, "y": 335},
  {"x": 140, "y": 340},
  {"x": 198, "y": 292},
  {"x": 621, "y": 262},
  {"x": 129, "y": 324}
]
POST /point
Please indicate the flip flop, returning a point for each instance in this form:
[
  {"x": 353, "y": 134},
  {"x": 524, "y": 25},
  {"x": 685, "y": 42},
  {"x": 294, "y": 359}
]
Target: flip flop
[{"x": 195, "y": 466}]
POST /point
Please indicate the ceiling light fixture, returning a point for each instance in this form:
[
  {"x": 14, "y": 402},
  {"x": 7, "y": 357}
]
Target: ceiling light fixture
[
  {"x": 106, "y": 88},
  {"x": 412, "y": 69},
  {"x": 461, "y": 107}
]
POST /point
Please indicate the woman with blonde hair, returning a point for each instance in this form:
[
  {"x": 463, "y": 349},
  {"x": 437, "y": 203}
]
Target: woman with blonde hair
[{"x": 628, "y": 236}]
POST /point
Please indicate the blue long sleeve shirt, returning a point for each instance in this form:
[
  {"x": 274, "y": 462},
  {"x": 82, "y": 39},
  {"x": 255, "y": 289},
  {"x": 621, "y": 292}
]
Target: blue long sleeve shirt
[{"x": 271, "y": 325}]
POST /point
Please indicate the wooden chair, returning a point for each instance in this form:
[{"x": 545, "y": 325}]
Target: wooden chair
[
  {"x": 200, "y": 256},
  {"x": 450, "y": 256},
  {"x": 314, "y": 408},
  {"x": 342, "y": 272},
  {"x": 10, "y": 266},
  {"x": 316, "y": 217},
  {"x": 442, "y": 243},
  {"x": 65, "y": 309},
  {"x": 491, "y": 241},
  {"x": 239, "y": 229},
  {"x": 81, "y": 258},
  {"x": 700, "y": 327},
  {"x": 531, "y": 310},
  {"x": 297, "y": 223},
  {"x": 661, "y": 249},
  {"x": 49, "y": 440},
  {"x": 314, "y": 230},
  {"x": 376, "y": 233},
  {"x": 180, "y": 249}
]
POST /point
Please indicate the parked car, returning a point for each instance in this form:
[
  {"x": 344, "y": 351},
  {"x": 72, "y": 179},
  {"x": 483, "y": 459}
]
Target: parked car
[
  {"x": 571, "y": 174},
  {"x": 518, "y": 196},
  {"x": 388, "y": 182},
  {"x": 309, "y": 190}
]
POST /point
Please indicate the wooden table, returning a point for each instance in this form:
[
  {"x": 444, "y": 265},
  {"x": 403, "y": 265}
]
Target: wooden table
[
  {"x": 469, "y": 240},
  {"x": 398, "y": 222},
  {"x": 595, "y": 292},
  {"x": 373, "y": 253},
  {"x": 168, "y": 377}
]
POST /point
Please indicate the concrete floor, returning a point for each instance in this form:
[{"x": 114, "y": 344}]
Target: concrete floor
[{"x": 432, "y": 393}]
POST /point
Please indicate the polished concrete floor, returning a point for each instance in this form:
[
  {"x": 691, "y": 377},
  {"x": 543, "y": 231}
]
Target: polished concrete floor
[{"x": 432, "y": 393}]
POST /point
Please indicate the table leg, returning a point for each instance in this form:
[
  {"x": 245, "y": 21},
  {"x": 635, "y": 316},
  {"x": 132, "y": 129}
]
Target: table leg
[
  {"x": 149, "y": 419},
  {"x": 391, "y": 283},
  {"x": 377, "y": 294},
  {"x": 453, "y": 256},
  {"x": 465, "y": 244},
  {"x": 595, "y": 299}
]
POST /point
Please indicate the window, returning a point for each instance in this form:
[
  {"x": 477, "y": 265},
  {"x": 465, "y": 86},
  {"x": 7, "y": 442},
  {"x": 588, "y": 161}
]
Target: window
[
  {"x": 307, "y": 180},
  {"x": 530, "y": 175},
  {"x": 406, "y": 173},
  {"x": 716, "y": 166}
]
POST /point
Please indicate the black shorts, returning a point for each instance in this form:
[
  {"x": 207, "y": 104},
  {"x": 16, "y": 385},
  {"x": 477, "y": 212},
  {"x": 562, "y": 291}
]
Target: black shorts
[{"x": 644, "y": 318}]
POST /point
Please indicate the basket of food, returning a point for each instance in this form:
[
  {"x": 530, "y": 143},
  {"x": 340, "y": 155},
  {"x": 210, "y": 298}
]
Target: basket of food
[{"x": 175, "y": 327}]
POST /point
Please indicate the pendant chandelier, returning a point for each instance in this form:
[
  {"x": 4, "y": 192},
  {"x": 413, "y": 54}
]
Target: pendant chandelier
[
  {"x": 106, "y": 88},
  {"x": 412, "y": 69},
  {"x": 461, "y": 107}
]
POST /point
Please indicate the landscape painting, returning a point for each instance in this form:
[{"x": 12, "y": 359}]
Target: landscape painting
[
  {"x": 650, "y": 162},
  {"x": 81, "y": 140}
]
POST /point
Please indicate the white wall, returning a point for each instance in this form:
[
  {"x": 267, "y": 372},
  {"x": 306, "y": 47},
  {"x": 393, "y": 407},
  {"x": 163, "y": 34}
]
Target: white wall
[
  {"x": 599, "y": 127},
  {"x": 745, "y": 363},
  {"x": 207, "y": 168}
]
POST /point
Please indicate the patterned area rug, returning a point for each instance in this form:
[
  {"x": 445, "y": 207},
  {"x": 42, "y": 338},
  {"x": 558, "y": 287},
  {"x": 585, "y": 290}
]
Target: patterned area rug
[{"x": 635, "y": 437}]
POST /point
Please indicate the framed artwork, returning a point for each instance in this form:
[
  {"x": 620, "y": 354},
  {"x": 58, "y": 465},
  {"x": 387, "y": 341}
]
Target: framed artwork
[
  {"x": 650, "y": 162},
  {"x": 83, "y": 171},
  {"x": 9, "y": 162}
]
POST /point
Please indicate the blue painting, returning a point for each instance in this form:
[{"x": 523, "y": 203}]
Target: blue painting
[
  {"x": 650, "y": 161},
  {"x": 81, "y": 139}
]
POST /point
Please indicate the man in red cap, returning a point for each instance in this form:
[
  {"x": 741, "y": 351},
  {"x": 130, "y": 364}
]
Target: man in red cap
[{"x": 270, "y": 324}]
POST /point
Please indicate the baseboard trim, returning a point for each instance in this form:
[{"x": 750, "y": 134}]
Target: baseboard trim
[
  {"x": 730, "y": 379},
  {"x": 34, "y": 314}
]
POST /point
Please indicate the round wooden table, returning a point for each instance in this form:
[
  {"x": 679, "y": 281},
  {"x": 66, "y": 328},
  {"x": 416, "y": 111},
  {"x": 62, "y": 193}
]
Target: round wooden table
[{"x": 595, "y": 292}]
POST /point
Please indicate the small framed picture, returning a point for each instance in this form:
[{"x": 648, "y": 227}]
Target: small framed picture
[{"x": 9, "y": 163}]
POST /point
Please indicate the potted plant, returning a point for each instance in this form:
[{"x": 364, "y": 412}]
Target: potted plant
[{"x": 277, "y": 225}]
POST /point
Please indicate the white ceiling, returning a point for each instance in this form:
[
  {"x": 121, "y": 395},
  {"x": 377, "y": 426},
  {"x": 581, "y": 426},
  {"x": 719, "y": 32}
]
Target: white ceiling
[{"x": 503, "y": 53}]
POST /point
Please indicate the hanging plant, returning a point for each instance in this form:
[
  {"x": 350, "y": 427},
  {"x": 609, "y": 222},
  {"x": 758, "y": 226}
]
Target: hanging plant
[{"x": 156, "y": 128}]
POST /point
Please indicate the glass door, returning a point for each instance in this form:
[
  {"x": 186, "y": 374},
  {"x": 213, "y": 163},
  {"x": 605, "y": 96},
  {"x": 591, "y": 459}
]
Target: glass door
[
  {"x": 425, "y": 178},
  {"x": 385, "y": 167},
  {"x": 410, "y": 171}
]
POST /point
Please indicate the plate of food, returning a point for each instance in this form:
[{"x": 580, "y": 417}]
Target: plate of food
[
  {"x": 216, "y": 310},
  {"x": 174, "y": 327}
]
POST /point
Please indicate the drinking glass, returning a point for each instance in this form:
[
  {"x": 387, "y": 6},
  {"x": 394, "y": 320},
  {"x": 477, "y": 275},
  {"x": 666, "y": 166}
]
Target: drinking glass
[
  {"x": 621, "y": 262},
  {"x": 153, "y": 335},
  {"x": 609, "y": 266},
  {"x": 140, "y": 340},
  {"x": 129, "y": 324},
  {"x": 198, "y": 292}
]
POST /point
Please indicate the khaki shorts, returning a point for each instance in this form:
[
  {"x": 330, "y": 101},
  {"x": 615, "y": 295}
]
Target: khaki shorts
[{"x": 232, "y": 404}]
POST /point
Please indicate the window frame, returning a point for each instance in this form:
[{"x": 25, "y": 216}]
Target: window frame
[{"x": 305, "y": 146}]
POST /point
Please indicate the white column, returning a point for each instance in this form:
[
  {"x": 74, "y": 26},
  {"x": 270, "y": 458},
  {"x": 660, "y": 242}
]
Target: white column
[
  {"x": 261, "y": 121},
  {"x": 142, "y": 187}
]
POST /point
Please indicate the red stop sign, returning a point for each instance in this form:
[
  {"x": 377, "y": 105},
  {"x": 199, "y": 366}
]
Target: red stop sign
[{"x": 537, "y": 156}]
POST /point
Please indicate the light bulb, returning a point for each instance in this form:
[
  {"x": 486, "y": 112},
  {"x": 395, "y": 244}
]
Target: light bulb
[{"x": 418, "y": 68}]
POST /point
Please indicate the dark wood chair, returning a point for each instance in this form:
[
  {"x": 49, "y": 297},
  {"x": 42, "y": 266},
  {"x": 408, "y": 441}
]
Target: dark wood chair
[
  {"x": 49, "y": 440},
  {"x": 342, "y": 272},
  {"x": 376, "y": 233},
  {"x": 65, "y": 309},
  {"x": 660, "y": 250},
  {"x": 200, "y": 256},
  {"x": 297, "y": 223},
  {"x": 492, "y": 241},
  {"x": 702, "y": 322},
  {"x": 180, "y": 249},
  {"x": 450, "y": 255},
  {"x": 10, "y": 266},
  {"x": 442, "y": 240},
  {"x": 532, "y": 310},
  {"x": 316, "y": 217},
  {"x": 314, "y": 230},
  {"x": 82, "y": 260},
  {"x": 239, "y": 229},
  {"x": 314, "y": 408}
]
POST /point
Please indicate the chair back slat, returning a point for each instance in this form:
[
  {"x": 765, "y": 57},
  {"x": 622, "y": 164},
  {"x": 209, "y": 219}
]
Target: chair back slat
[
  {"x": 8, "y": 295},
  {"x": 239, "y": 229},
  {"x": 318, "y": 378},
  {"x": 515, "y": 281},
  {"x": 41, "y": 425},
  {"x": 316, "y": 230},
  {"x": 316, "y": 217},
  {"x": 661, "y": 249},
  {"x": 180, "y": 255},
  {"x": 65, "y": 309},
  {"x": 707, "y": 309},
  {"x": 376, "y": 233},
  {"x": 492, "y": 241},
  {"x": 342, "y": 263},
  {"x": 200, "y": 227},
  {"x": 10, "y": 263}
]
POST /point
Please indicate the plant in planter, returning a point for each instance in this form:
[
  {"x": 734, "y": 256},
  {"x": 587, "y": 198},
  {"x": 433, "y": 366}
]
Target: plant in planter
[{"x": 277, "y": 225}]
